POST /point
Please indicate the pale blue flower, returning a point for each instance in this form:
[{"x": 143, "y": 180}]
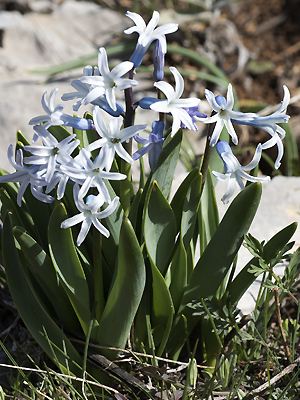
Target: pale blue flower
[
  {"x": 174, "y": 104},
  {"x": 112, "y": 137},
  {"x": 86, "y": 93},
  {"x": 55, "y": 116},
  {"x": 90, "y": 173},
  {"x": 147, "y": 34},
  {"x": 269, "y": 123},
  {"x": 51, "y": 154},
  {"x": 152, "y": 144},
  {"x": 108, "y": 81},
  {"x": 26, "y": 175},
  {"x": 224, "y": 114},
  {"x": 90, "y": 214},
  {"x": 235, "y": 174}
]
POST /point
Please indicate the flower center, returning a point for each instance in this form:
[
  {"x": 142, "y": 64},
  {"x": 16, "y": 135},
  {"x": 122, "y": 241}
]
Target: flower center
[{"x": 115, "y": 140}]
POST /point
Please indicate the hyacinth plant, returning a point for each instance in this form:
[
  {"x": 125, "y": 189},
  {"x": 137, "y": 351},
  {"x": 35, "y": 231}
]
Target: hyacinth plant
[{"x": 96, "y": 262}]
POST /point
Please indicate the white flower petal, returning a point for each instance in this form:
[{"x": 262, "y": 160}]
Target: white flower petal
[
  {"x": 121, "y": 69},
  {"x": 229, "y": 97},
  {"x": 123, "y": 153},
  {"x": 167, "y": 90},
  {"x": 103, "y": 62},
  {"x": 216, "y": 132},
  {"x": 230, "y": 130},
  {"x": 76, "y": 219},
  {"x": 179, "y": 82},
  {"x": 101, "y": 228},
  {"x": 137, "y": 19},
  {"x": 85, "y": 227}
]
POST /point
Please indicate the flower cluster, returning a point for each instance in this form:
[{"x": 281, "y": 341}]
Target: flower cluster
[{"x": 57, "y": 158}]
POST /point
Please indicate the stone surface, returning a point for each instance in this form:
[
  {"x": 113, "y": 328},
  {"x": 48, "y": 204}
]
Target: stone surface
[{"x": 38, "y": 40}]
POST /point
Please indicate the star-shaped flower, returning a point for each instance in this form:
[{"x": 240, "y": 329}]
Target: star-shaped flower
[
  {"x": 90, "y": 214},
  {"x": 26, "y": 175},
  {"x": 90, "y": 173},
  {"x": 174, "y": 104},
  {"x": 51, "y": 153},
  {"x": 55, "y": 116},
  {"x": 224, "y": 114},
  {"x": 147, "y": 34},
  {"x": 269, "y": 123},
  {"x": 108, "y": 81},
  {"x": 112, "y": 137},
  {"x": 234, "y": 173}
]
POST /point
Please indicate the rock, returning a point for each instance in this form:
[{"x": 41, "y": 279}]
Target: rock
[{"x": 31, "y": 41}]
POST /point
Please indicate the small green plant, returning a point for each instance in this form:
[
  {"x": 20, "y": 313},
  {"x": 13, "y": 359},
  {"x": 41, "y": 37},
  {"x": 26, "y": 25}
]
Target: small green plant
[{"x": 146, "y": 271}]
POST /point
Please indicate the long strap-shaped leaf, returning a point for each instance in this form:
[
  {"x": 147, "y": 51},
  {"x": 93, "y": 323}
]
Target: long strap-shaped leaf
[
  {"x": 44, "y": 330},
  {"x": 217, "y": 258},
  {"x": 125, "y": 294},
  {"x": 67, "y": 264},
  {"x": 43, "y": 271},
  {"x": 159, "y": 228}
]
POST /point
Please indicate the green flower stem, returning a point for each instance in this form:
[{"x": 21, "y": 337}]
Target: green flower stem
[
  {"x": 125, "y": 168},
  {"x": 206, "y": 156}
]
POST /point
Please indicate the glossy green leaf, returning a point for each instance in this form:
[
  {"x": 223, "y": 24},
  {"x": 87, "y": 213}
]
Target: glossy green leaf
[
  {"x": 162, "y": 310},
  {"x": 178, "y": 274},
  {"x": 218, "y": 256},
  {"x": 68, "y": 267},
  {"x": 39, "y": 323},
  {"x": 190, "y": 210},
  {"x": 208, "y": 213},
  {"x": 164, "y": 172},
  {"x": 245, "y": 278},
  {"x": 180, "y": 195},
  {"x": 59, "y": 132},
  {"x": 224, "y": 245},
  {"x": 159, "y": 228},
  {"x": 20, "y": 215},
  {"x": 125, "y": 294},
  {"x": 42, "y": 269}
]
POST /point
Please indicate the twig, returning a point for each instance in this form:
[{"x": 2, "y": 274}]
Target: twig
[
  {"x": 290, "y": 368},
  {"x": 114, "y": 369}
]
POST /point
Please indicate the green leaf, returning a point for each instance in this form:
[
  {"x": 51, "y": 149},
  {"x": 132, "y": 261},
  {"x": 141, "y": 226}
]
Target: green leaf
[
  {"x": 159, "y": 228},
  {"x": 164, "y": 172},
  {"x": 125, "y": 294},
  {"x": 180, "y": 195},
  {"x": 44, "y": 273},
  {"x": 208, "y": 213},
  {"x": 59, "y": 132},
  {"x": 162, "y": 310},
  {"x": 44, "y": 330},
  {"x": 68, "y": 267},
  {"x": 190, "y": 210},
  {"x": 218, "y": 256},
  {"x": 244, "y": 279},
  {"x": 178, "y": 274},
  {"x": 134, "y": 209},
  {"x": 20, "y": 215}
]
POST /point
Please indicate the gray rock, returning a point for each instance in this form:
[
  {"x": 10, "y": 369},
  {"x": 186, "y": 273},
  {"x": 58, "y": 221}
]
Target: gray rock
[{"x": 31, "y": 41}]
